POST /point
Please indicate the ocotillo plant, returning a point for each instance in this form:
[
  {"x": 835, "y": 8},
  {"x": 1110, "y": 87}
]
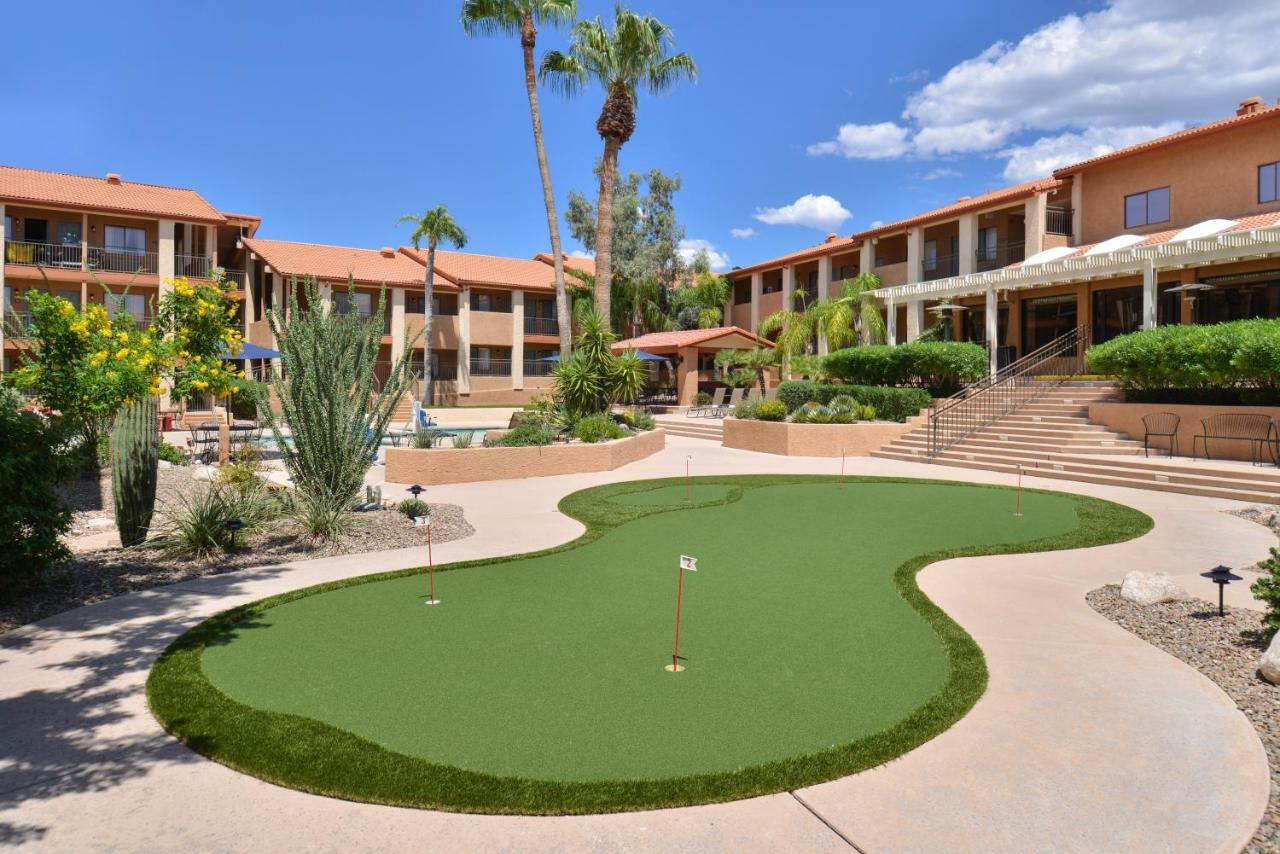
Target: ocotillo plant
[{"x": 135, "y": 457}]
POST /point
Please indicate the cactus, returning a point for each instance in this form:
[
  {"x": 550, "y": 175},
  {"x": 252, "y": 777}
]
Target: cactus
[{"x": 135, "y": 458}]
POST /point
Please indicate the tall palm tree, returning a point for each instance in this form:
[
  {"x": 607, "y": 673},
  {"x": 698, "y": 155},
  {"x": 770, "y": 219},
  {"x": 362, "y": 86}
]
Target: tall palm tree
[
  {"x": 434, "y": 227},
  {"x": 522, "y": 17},
  {"x": 792, "y": 330},
  {"x": 633, "y": 53},
  {"x": 854, "y": 316}
]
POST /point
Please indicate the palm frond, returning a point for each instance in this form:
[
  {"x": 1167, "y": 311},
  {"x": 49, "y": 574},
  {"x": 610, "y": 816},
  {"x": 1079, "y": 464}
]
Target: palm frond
[
  {"x": 492, "y": 17},
  {"x": 562, "y": 73}
]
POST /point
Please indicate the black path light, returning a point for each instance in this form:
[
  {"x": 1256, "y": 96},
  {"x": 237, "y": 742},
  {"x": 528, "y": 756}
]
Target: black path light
[
  {"x": 233, "y": 525},
  {"x": 1221, "y": 576}
]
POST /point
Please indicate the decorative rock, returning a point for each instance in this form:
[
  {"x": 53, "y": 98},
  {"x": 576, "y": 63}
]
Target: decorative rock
[
  {"x": 1269, "y": 667},
  {"x": 1151, "y": 588}
]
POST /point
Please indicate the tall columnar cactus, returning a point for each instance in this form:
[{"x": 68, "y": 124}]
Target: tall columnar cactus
[{"x": 135, "y": 456}]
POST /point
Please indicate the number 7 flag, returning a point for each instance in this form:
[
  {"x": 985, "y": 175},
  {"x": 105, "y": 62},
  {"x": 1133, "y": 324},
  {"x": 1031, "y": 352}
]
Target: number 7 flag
[{"x": 689, "y": 563}]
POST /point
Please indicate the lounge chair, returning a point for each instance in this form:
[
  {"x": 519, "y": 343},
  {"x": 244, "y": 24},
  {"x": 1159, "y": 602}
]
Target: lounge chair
[
  {"x": 734, "y": 400},
  {"x": 716, "y": 402}
]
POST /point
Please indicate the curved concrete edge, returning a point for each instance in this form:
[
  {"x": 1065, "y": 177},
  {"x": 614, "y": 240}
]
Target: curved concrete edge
[{"x": 83, "y": 764}]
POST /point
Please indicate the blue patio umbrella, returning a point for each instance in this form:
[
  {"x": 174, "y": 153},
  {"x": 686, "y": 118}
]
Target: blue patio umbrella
[{"x": 248, "y": 351}]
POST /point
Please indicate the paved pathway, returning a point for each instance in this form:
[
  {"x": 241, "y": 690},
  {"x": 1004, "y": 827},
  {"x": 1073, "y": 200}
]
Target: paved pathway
[{"x": 1088, "y": 739}]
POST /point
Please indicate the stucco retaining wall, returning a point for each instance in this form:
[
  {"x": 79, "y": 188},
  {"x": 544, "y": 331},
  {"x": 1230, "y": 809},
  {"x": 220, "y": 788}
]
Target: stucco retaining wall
[
  {"x": 1127, "y": 418},
  {"x": 467, "y": 465},
  {"x": 811, "y": 440}
]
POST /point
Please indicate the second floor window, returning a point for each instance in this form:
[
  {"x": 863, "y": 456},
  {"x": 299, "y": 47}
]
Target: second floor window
[
  {"x": 988, "y": 243},
  {"x": 121, "y": 238},
  {"x": 1269, "y": 182},
  {"x": 1146, "y": 208},
  {"x": 342, "y": 303},
  {"x": 931, "y": 254}
]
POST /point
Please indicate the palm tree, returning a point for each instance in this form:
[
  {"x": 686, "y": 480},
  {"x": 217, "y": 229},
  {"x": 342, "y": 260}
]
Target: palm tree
[
  {"x": 512, "y": 17},
  {"x": 854, "y": 316},
  {"x": 792, "y": 330},
  {"x": 434, "y": 227},
  {"x": 633, "y": 53}
]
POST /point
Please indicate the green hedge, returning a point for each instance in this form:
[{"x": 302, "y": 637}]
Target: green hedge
[
  {"x": 1243, "y": 354},
  {"x": 891, "y": 404},
  {"x": 941, "y": 366}
]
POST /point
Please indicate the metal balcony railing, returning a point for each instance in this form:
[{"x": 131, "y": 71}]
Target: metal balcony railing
[
  {"x": 538, "y": 368},
  {"x": 541, "y": 326},
  {"x": 109, "y": 260},
  {"x": 193, "y": 266},
  {"x": 17, "y": 323},
  {"x": 1058, "y": 220},
  {"x": 1004, "y": 253},
  {"x": 941, "y": 267},
  {"x": 235, "y": 278},
  {"x": 29, "y": 254},
  {"x": 490, "y": 367},
  {"x": 139, "y": 323}
]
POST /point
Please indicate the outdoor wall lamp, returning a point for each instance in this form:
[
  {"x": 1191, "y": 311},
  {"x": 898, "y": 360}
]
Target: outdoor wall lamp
[{"x": 1221, "y": 576}]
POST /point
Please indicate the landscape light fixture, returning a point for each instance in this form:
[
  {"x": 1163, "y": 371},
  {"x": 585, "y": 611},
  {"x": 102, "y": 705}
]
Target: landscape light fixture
[
  {"x": 1221, "y": 576},
  {"x": 233, "y": 525}
]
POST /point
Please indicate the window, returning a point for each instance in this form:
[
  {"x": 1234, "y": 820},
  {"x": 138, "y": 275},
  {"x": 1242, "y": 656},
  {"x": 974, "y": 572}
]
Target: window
[
  {"x": 72, "y": 297},
  {"x": 1269, "y": 182},
  {"x": 8, "y": 227},
  {"x": 36, "y": 230},
  {"x": 69, "y": 233},
  {"x": 131, "y": 241},
  {"x": 134, "y": 304},
  {"x": 1146, "y": 208},
  {"x": 771, "y": 285},
  {"x": 363, "y": 304},
  {"x": 481, "y": 301},
  {"x": 931, "y": 255},
  {"x": 741, "y": 292}
]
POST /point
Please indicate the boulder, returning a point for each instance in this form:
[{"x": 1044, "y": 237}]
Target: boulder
[
  {"x": 1151, "y": 588},
  {"x": 1269, "y": 667}
]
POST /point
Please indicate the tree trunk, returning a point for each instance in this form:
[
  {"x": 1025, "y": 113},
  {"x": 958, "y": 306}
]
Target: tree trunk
[
  {"x": 604, "y": 230},
  {"x": 528, "y": 38},
  {"x": 428, "y": 288}
]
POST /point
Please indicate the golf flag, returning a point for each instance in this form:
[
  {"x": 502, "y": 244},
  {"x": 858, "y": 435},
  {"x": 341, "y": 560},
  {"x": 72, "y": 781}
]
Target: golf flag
[
  {"x": 689, "y": 563},
  {"x": 422, "y": 521}
]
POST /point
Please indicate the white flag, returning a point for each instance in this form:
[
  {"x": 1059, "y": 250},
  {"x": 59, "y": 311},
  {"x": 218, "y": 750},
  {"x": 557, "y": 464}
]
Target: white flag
[
  {"x": 689, "y": 563},
  {"x": 422, "y": 521}
]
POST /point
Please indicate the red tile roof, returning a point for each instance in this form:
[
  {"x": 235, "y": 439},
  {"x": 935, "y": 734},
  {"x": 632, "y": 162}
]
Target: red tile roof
[
  {"x": 33, "y": 186},
  {"x": 827, "y": 247},
  {"x": 686, "y": 338},
  {"x": 571, "y": 262},
  {"x": 492, "y": 270},
  {"x": 1262, "y": 114},
  {"x": 960, "y": 206},
  {"x": 336, "y": 263}
]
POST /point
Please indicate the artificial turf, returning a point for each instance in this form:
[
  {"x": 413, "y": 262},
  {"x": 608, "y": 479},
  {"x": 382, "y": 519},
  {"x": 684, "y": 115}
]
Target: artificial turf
[{"x": 538, "y": 685}]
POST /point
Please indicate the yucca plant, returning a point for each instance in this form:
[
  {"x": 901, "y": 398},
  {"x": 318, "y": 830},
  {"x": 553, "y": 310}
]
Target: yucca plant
[
  {"x": 594, "y": 378},
  {"x": 331, "y": 400}
]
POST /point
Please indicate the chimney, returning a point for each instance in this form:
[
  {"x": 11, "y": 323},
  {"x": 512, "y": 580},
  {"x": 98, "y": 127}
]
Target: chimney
[
  {"x": 832, "y": 236},
  {"x": 1249, "y": 106},
  {"x": 387, "y": 252},
  {"x": 113, "y": 177}
]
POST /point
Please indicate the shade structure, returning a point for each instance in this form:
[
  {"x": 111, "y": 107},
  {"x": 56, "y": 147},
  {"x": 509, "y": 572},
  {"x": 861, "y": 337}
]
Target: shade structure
[{"x": 248, "y": 351}]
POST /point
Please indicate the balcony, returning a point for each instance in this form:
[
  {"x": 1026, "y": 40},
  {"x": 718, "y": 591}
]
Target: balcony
[
  {"x": 941, "y": 267},
  {"x": 236, "y": 278},
  {"x": 541, "y": 326},
  {"x": 1004, "y": 253},
  {"x": 139, "y": 323},
  {"x": 133, "y": 261},
  {"x": 1058, "y": 220},
  {"x": 28, "y": 254},
  {"x": 490, "y": 367},
  {"x": 538, "y": 368},
  {"x": 193, "y": 266},
  {"x": 16, "y": 324}
]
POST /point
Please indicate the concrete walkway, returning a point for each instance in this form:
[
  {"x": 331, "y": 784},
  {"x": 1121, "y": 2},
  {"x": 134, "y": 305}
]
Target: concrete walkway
[{"x": 1087, "y": 739}]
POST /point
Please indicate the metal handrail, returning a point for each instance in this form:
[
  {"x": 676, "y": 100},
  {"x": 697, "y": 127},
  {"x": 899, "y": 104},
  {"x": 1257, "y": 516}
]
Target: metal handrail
[{"x": 1012, "y": 387}]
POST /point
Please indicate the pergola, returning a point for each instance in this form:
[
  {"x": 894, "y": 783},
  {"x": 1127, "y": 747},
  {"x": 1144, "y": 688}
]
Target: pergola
[{"x": 686, "y": 346}]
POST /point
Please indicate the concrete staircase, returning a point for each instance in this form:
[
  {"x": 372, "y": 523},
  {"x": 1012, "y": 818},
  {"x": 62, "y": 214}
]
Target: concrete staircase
[
  {"x": 711, "y": 429},
  {"x": 1052, "y": 437}
]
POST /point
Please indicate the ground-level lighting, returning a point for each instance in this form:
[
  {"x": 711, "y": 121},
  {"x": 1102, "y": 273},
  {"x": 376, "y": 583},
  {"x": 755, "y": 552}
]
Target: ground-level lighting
[{"x": 1221, "y": 576}]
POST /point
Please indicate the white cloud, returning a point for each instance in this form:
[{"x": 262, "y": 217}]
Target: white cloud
[
  {"x": 865, "y": 142},
  {"x": 876, "y": 223},
  {"x": 822, "y": 212},
  {"x": 1084, "y": 83},
  {"x": 743, "y": 233},
  {"x": 581, "y": 253},
  {"x": 690, "y": 248},
  {"x": 941, "y": 172},
  {"x": 914, "y": 76},
  {"x": 1039, "y": 158}
]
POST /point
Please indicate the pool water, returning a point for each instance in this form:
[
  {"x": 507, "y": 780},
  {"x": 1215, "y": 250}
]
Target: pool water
[{"x": 477, "y": 436}]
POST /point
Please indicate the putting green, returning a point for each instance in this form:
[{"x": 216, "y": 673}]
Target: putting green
[{"x": 540, "y": 679}]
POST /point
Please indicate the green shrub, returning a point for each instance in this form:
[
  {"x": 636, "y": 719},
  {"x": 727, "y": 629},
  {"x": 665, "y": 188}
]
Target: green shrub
[
  {"x": 771, "y": 410},
  {"x": 464, "y": 439},
  {"x": 891, "y": 404},
  {"x": 32, "y": 516},
  {"x": 1267, "y": 589},
  {"x": 424, "y": 438},
  {"x": 814, "y": 413},
  {"x": 702, "y": 398},
  {"x": 194, "y": 525},
  {"x": 746, "y": 410},
  {"x": 414, "y": 507},
  {"x": 527, "y": 433},
  {"x": 1240, "y": 354},
  {"x": 940, "y": 366},
  {"x": 644, "y": 421},
  {"x": 173, "y": 454},
  {"x": 597, "y": 428}
]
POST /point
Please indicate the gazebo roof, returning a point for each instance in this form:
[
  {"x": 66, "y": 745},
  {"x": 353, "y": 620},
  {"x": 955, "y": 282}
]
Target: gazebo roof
[{"x": 718, "y": 338}]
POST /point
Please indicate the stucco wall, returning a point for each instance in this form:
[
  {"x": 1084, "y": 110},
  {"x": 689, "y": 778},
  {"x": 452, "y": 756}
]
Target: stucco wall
[
  {"x": 1127, "y": 418},
  {"x": 468, "y": 465},
  {"x": 811, "y": 440}
]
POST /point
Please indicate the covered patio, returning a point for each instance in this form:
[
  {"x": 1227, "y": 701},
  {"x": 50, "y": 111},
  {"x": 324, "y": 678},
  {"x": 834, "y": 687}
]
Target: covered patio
[{"x": 692, "y": 353}]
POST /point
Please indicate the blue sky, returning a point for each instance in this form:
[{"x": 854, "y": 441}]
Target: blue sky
[{"x": 332, "y": 122}]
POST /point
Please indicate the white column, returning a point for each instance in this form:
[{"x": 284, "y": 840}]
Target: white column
[
  {"x": 866, "y": 257},
  {"x": 757, "y": 292},
  {"x": 248, "y": 308},
  {"x": 517, "y": 340},
  {"x": 464, "y": 340},
  {"x": 211, "y": 245},
  {"x": 1149, "y": 295},
  {"x": 890, "y": 322},
  {"x": 165, "y": 269},
  {"x": 276, "y": 284},
  {"x": 326, "y": 298},
  {"x": 824, "y": 292},
  {"x": 4, "y": 304},
  {"x": 398, "y": 330},
  {"x": 993, "y": 327},
  {"x": 1077, "y": 208},
  {"x": 915, "y": 319},
  {"x": 788, "y": 287},
  {"x": 968, "y": 244},
  {"x": 1034, "y": 223},
  {"x": 915, "y": 255}
]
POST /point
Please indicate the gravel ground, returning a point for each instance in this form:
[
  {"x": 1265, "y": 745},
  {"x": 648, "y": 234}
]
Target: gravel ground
[
  {"x": 96, "y": 573},
  {"x": 1227, "y": 651}
]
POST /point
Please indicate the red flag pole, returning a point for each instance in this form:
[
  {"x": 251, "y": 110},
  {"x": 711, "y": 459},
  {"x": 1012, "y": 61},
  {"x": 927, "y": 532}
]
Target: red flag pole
[
  {"x": 1017, "y": 509},
  {"x": 675, "y": 655},
  {"x": 842, "y": 469}
]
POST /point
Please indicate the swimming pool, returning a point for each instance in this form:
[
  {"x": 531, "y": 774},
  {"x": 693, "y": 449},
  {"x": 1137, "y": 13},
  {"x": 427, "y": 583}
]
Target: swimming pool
[{"x": 268, "y": 441}]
